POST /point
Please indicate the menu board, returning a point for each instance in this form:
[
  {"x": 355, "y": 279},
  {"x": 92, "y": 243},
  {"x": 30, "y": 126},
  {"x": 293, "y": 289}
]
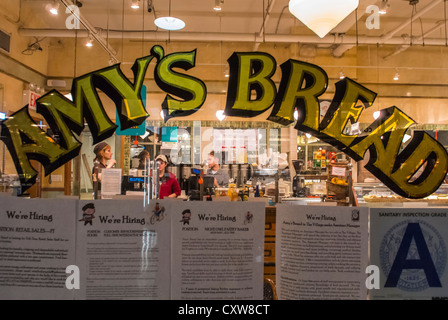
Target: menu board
[
  {"x": 409, "y": 247},
  {"x": 321, "y": 253}
]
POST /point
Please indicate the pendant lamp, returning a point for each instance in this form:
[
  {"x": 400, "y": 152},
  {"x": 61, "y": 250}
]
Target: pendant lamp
[
  {"x": 322, "y": 16},
  {"x": 169, "y": 22}
]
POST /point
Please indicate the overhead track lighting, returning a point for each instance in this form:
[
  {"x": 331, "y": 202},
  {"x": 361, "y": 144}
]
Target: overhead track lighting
[
  {"x": 322, "y": 16},
  {"x": 217, "y": 6},
  {"x": 383, "y": 7},
  {"x": 89, "y": 43},
  {"x": 135, "y": 4}
]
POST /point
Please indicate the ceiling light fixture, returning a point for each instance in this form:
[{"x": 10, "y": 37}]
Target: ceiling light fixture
[
  {"x": 406, "y": 138},
  {"x": 220, "y": 115},
  {"x": 53, "y": 7},
  {"x": 396, "y": 76},
  {"x": 135, "y": 4},
  {"x": 89, "y": 42},
  {"x": 217, "y": 6},
  {"x": 322, "y": 16},
  {"x": 341, "y": 75},
  {"x": 383, "y": 7},
  {"x": 169, "y": 23},
  {"x": 376, "y": 114}
]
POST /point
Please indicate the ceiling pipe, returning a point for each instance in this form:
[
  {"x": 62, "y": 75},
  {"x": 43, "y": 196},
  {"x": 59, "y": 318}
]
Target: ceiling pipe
[
  {"x": 421, "y": 38},
  {"x": 420, "y": 13},
  {"x": 341, "y": 49},
  {"x": 158, "y": 36},
  {"x": 338, "y": 51},
  {"x": 265, "y": 21}
]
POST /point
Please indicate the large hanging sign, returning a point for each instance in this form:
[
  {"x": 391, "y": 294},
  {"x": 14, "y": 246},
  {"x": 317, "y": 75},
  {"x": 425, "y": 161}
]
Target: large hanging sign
[{"x": 414, "y": 172}]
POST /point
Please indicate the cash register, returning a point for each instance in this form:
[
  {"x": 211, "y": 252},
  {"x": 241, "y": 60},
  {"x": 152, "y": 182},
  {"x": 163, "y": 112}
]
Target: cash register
[{"x": 131, "y": 183}]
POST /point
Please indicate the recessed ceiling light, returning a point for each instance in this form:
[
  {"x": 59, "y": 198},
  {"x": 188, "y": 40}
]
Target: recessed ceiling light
[{"x": 169, "y": 23}]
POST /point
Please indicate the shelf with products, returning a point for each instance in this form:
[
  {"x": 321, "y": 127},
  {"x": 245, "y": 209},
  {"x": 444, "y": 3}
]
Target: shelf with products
[{"x": 314, "y": 152}]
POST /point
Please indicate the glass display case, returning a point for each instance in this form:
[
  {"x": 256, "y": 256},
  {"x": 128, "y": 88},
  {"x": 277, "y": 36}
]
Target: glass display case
[{"x": 377, "y": 193}]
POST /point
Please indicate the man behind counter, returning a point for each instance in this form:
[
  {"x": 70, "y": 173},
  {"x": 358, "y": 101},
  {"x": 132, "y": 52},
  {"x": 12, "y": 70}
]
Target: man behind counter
[
  {"x": 169, "y": 186},
  {"x": 221, "y": 177}
]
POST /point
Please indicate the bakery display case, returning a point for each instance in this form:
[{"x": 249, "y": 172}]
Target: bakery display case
[{"x": 377, "y": 193}]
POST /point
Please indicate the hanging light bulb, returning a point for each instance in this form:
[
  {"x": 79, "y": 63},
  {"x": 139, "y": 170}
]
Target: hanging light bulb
[
  {"x": 396, "y": 76},
  {"x": 341, "y": 75},
  {"x": 322, "y": 16}
]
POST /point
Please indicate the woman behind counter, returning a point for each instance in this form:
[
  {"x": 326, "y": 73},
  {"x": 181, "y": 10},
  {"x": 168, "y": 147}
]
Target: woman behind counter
[
  {"x": 103, "y": 160},
  {"x": 169, "y": 186}
]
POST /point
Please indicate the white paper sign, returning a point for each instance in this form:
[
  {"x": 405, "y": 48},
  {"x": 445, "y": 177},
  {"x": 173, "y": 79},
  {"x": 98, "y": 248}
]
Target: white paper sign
[
  {"x": 110, "y": 182},
  {"x": 409, "y": 246},
  {"x": 123, "y": 250},
  {"x": 321, "y": 253},
  {"x": 338, "y": 171},
  {"x": 37, "y": 243},
  {"x": 217, "y": 250}
]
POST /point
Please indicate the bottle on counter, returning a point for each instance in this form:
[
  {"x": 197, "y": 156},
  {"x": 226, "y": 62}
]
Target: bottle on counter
[{"x": 257, "y": 191}]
